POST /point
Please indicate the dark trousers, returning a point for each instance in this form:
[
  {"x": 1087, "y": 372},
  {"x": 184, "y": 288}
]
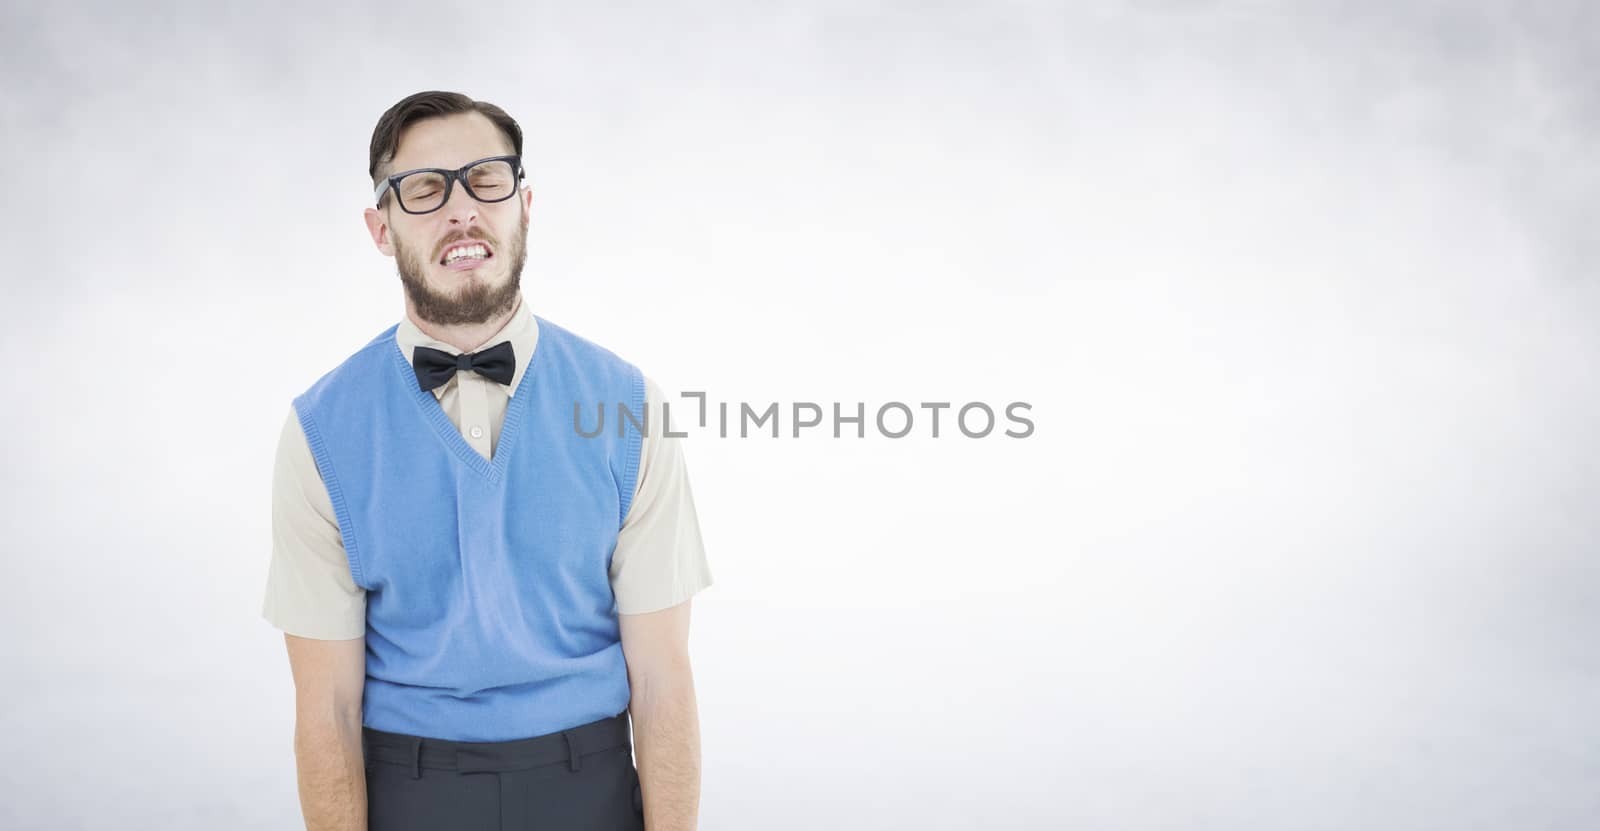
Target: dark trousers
[{"x": 580, "y": 778}]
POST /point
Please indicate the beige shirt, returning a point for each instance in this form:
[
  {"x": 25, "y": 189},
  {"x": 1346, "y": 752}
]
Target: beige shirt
[{"x": 659, "y": 560}]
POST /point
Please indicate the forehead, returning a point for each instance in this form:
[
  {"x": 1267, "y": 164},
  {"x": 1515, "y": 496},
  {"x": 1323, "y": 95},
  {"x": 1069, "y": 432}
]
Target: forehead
[{"x": 449, "y": 141}]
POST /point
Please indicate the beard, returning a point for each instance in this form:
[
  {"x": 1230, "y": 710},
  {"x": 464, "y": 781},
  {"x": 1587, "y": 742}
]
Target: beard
[{"x": 476, "y": 300}]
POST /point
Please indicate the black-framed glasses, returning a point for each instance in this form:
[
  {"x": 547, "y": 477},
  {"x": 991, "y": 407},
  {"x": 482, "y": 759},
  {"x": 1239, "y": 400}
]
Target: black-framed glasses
[{"x": 426, "y": 189}]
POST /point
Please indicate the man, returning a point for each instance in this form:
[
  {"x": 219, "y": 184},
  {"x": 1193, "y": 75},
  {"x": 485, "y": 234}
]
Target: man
[{"x": 478, "y": 596}]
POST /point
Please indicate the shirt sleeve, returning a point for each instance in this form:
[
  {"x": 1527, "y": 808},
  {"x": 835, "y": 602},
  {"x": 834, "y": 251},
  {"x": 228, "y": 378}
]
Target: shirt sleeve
[
  {"x": 660, "y": 559},
  {"x": 310, "y": 591}
]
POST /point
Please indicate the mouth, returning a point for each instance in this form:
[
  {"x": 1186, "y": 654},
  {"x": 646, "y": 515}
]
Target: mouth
[{"x": 466, "y": 254}]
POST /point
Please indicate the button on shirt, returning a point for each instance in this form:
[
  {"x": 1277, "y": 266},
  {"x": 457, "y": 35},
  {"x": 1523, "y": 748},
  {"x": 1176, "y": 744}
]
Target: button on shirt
[{"x": 659, "y": 560}]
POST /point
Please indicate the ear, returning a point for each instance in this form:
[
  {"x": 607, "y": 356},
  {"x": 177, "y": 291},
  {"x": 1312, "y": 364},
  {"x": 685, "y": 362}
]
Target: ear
[{"x": 378, "y": 227}]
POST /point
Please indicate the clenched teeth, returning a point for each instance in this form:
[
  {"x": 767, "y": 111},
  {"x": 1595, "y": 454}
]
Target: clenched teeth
[{"x": 477, "y": 251}]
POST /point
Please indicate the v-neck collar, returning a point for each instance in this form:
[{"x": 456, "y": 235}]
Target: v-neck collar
[{"x": 450, "y": 435}]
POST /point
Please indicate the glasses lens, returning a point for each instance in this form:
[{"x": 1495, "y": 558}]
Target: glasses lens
[
  {"x": 422, "y": 191},
  {"x": 492, "y": 181}
]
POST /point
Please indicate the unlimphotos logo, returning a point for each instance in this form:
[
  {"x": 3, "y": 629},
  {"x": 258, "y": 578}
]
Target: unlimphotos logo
[{"x": 893, "y": 419}]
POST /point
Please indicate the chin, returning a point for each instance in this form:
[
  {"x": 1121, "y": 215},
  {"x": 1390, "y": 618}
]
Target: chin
[{"x": 462, "y": 276}]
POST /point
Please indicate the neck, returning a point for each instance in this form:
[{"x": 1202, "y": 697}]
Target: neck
[{"x": 466, "y": 337}]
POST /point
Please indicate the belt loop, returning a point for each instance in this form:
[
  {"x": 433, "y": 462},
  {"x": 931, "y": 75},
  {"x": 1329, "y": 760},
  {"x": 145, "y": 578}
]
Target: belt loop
[
  {"x": 574, "y": 759},
  {"x": 416, "y": 758}
]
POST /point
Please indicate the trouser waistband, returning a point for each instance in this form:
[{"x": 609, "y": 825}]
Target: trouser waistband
[{"x": 568, "y": 745}]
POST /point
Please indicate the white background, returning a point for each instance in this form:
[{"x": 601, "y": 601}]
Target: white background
[{"x": 1303, "y": 298}]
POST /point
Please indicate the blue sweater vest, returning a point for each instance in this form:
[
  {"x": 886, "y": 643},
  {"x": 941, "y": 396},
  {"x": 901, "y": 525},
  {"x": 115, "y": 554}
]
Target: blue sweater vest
[{"x": 490, "y": 614}]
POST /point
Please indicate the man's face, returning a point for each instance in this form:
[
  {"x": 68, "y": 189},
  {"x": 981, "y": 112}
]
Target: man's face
[{"x": 466, "y": 291}]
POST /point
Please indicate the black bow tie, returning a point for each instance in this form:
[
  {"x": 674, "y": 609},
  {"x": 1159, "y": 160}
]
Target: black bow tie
[{"x": 436, "y": 366}]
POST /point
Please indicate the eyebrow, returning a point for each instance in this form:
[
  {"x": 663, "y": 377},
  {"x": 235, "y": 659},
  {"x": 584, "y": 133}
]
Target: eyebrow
[{"x": 414, "y": 169}]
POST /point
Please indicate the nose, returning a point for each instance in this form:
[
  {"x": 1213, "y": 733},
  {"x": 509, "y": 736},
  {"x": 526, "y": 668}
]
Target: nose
[{"x": 461, "y": 208}]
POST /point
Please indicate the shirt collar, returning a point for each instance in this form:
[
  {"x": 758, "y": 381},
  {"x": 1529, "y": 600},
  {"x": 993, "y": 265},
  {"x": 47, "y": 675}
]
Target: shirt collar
[{"x": 522, "y": 330}]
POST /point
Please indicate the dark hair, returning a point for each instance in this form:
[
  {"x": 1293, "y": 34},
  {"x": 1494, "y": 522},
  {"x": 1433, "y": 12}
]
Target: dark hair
[{"x": 429, "y": 104}]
